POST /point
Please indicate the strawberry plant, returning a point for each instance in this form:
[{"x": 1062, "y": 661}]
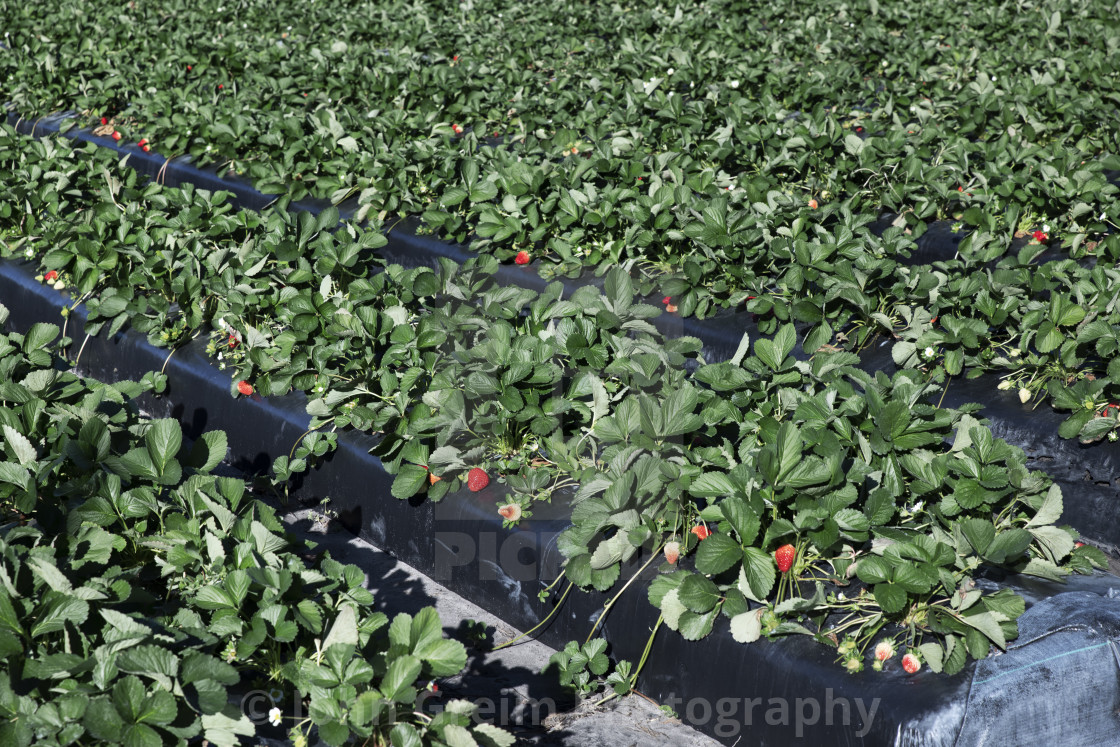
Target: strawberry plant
[
  {"x": 764, "y": 164},
  {"x": 142, "y": 591}
]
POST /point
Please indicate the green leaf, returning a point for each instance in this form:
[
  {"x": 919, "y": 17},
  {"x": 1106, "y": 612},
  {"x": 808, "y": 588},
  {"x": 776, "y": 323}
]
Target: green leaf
[
  {"x": 208, "y": 451},
  {"x": 694, "y": 626},
  {"x": 1009, "y": 545},
  {"x": 18, "y": 446},
  {"x": 757, "y": 576},
  {"x": 743, "y": 519},
  {"x": 746, "y": 627},
  {"x": 404, "y": 735},
  {"x": 891, "y": 597},
  {"x": 712, "y": 485},
  {"x": 344, "y": 630},
  {"x": 979, "y": 533},
  {"x": 408, "y": 481},
  {"x": 489, "y": 735},
  {"x": 672, "y": 608},
  {"x": 774, "y": 352},
  {"x": 164, "y": 439},
  {"x": 717, "y": 553},
  {"x": 444, "y": 658},
  {"x": 698, "y": 593},
  {"x": 854, "y": 144},
  {"x": 397, "y": 684},
  {"x": 39, "y": 336},
  {"x": 1050, "y": 510},
  {"x": 986, "y": 624},
  {"x": 57, "y": 610}
]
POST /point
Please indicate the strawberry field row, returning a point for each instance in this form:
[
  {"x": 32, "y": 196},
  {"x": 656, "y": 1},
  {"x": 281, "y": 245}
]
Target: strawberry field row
[
  {"x": 452, "y": 370},
  {"x": 195, "y": 390}
]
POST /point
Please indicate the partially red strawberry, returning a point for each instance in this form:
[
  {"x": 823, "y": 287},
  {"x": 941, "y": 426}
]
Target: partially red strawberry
[
  {"x": 116, "y": 135},
  {"x": 245, "y": 388},
  {"x": 143, "y": 142},
  {"x": 522, "y": 258},
  {"x": 813, "y": 204},
  {"x": 911, "y": 663},
  {"x": 672, "y": 552},
  {"x": 51, "y": 276},
  {"x": 784, "y": 556},
  {"x": 701, "y": 531},
  {"x": 147, "y": 148},
  {"x": 477, "y": 479}
]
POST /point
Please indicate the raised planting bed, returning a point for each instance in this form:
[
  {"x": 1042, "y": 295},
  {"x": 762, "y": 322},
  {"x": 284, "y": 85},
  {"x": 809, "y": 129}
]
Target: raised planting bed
[
  {"x": 1090, "y": 472},
  {"x": 462, "y": 542}
]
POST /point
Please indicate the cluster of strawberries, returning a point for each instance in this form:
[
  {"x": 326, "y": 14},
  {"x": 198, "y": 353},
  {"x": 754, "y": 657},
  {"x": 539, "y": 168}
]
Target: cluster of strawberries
[{"x": 116, "y": 135}]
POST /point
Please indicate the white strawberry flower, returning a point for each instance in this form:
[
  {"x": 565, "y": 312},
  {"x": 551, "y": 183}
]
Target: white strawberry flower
[
  {"x": 670, "y": 71},
  {"x": 274, "y": 716},
  {"x": 929, "y": 352},
  {"x": 735, "y": 84},
  {"x": 1046, "y": 228}
]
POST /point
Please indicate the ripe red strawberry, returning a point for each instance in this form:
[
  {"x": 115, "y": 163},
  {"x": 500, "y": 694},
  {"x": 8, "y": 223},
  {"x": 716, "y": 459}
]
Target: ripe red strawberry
[
  {"x": 784, "y": 556},
  {"x": 477, "y": 479},
  {"x": 51, "y": 276},
  {"x": 143, "y": 142},
  {"x": 522, "y": 257},
  {"x": 189, "y": 68},
  {"x": 245, "y": 388},
  {"x": 116, "y": 135},
  {"x": 104, "y": 120},
  {"x": 221, "y": 86}
]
